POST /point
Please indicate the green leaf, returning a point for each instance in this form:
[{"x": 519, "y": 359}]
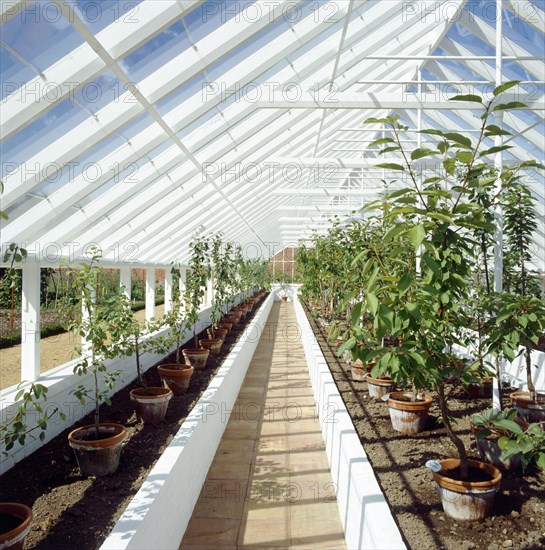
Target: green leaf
[
  {"x": 505, "y": 86},
  {"x": 432, "y": 264},
  {"x": 390, "y": 166},
  {"x": 372, "y": 302},
  {"x": 404, "y": 283},
  {"x": 464, "y": 157},
  {"x": 459, "y": 138},
  {"x": 349, "y": 344},
  {"x": 356, "y": 314},
  {"x": 510, "y": 105},
  {"x": 431, "y": 132},
  {"x": 389, "y": 150},
  {"x": 495, "y": 150},
  {"x": 417, "y": 234},
  {"x": 422, "y": 152},
  {"x": 380, "y": 141},
  {"x": 467, "y": 97},
  {"x": 493, "y": 130}
]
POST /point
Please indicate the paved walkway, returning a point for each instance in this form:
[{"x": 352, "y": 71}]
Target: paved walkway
[{"x": 269, "y": 485}]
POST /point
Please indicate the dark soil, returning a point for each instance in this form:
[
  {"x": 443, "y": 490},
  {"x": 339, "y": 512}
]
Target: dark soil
[
  {"x": 8, "y": 523},
  {"x": 71, "y": 511},
  {"x": 518, "y": 519},
  {"x": 475, "y": 474}
]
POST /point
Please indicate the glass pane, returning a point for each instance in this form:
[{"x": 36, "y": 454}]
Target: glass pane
[
  {"x": 97, "y": 15},
  {"x": 13, "y": 73}
]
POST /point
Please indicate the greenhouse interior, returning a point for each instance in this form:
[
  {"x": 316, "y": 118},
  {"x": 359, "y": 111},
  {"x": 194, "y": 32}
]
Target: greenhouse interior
[{"x": 272, "y": 274}]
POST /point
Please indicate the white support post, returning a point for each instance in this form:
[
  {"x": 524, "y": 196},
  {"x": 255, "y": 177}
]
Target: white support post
[
  {"x": 125, "y": 281},
  {"x": 168, "y": 291},
  {"x": 182, "y": 287},
  {"x": 150, "y": 293},
  {"x": 85, "y": 345},
  {"x": 498, "y": 213},
  {"x": 30, "y": 319},
  {"x": 209, "y": 291}
]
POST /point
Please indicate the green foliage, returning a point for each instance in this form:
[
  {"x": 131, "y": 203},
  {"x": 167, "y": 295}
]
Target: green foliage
[
  {"x": 496, "y": 422},
  {"x": 106, "y": 327},
  {"x": 28, "y": 400},
  {"x": 530, "y": 444}
]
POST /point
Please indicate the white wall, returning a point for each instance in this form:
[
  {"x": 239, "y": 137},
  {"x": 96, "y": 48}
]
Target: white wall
[
  {"x": 365, "y": 514},
  {"x": 159, "y": 513}
]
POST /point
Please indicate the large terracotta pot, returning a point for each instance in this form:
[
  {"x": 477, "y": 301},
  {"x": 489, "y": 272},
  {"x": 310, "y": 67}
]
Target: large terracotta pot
[
  {"x": 379, "y": 387},
  {"x": 151, "y": 404},
  {"x": 15, "y": 521},
  {"x": 175, "y": 377},
  {"x": 97, "y": 457},
  {"x": 408, "y": 417},
  {"x": 467, "y": 500},
  {"x": 531, "y": 411},
  {"x": 196, "y": 357},
  {"x": 211, "y": 344}
]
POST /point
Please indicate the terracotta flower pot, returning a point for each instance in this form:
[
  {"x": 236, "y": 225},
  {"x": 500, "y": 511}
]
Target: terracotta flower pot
[
  {"x": 233, "y": 317},
  {"x": 467, "y": 500},
  {"x": 211, "y": 344},
  {"x": 532, "y": 411},
  {"x": 408, "y": 417},
  {"x": 359, "y": 371},
  {"x": 379, "y": 387},
  {"x": 175, "y": 377},
  {"x": 151, "y": 403},
  {"x": 97, "y": 457},
  {"x": 220, "y": 333},
  {"x": 284, "y": 298},
  {"x": 15, "y": 521},
  {"x": 225, "y": 325},
  {"x": 196, "y": 357},
  {"x": 490, "y": 452}
]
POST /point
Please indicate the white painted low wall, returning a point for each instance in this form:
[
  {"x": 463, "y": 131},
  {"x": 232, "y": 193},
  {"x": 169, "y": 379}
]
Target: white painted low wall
[
  {"x": 159, "y": 513},
  {"x": 61, "y": 382},
  {"x": 365, "y": 514}
]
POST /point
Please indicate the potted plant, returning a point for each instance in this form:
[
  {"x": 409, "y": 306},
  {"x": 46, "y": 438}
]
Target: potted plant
[
  {"x": 175, "y": 376},
  {"x": 15, "y": 518},
  {"x": 488, "y": 427},
  {"x": 151, "y": 402},
  {"x": 196, "y": 278},
  {"x": 103, "y": 323},
  {"x": 220, "y": 277},
  {"x": 441, "y": 220}
]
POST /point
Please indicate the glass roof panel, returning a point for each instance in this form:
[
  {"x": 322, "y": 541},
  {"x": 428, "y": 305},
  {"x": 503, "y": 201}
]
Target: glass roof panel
[
  {"x": 13, "y": 73},
  {"x": 153, "y": 54},
  {"x": 41, "y": 34},
  {"x": 98, "y": 15}
]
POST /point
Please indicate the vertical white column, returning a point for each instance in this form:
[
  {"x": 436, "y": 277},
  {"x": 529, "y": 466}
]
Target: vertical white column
[
  {"x": 30, "y": 319},
  {"x": 125, "y": 281},
  {"x": 168, "y": 290},
  {"x": 210, "y": 290},
  {"x": 498, "y": 213},
  {"x": 181, "y": 287},
  {"x": 85, "y": 345},
  {"x": 150, "y": 293}
]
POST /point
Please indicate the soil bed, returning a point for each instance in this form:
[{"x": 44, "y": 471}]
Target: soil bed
[
  {"x": 71, "y": 511},
  {"x": 518, "y": 519}
]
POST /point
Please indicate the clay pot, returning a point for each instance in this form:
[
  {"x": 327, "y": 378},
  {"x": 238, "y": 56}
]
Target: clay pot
[
  {"x": 175, "y": 377},
  {"x": 490, "y": 452},
  {"x": 220, "y": 333},
  {"x": 196, "y": 357},
  {"x": 467, "y": 500},
  {"x": 359, "y": 371},
  {"x": 211, "y": 344},
  {"x": 226, "y": 326},
  {"x": 15, "y": 521},
  {"x": 97, "y": 457},
  {"x": 379, "y": 387},
  {"x": 480, "y": 389},
  {"x": 408, "y": 417},
  {"x": 284, "y": 298},
  {"x": 151, "y": 404},
  {"x": 233, "y": 317},
  {"x": 531, "y": 411}
]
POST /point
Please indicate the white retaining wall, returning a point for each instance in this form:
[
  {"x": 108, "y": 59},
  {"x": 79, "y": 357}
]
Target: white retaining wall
[
  {"x": 158, "y": 515},
  {"x": 365, "y": 515},
  {"x": 61, "y": 382}
]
